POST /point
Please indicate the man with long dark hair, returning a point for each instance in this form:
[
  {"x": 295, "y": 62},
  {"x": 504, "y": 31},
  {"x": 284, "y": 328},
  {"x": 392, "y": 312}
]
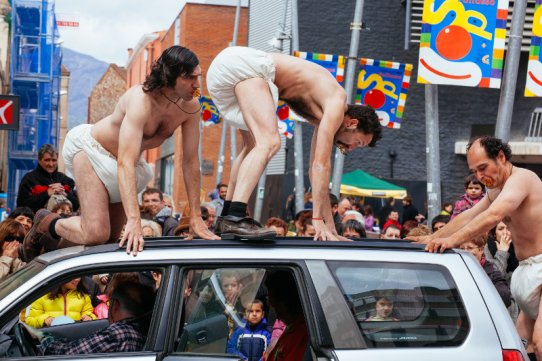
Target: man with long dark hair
[
  {"x": 245, "y": 85},
  {"x": 106, "y": 159}
]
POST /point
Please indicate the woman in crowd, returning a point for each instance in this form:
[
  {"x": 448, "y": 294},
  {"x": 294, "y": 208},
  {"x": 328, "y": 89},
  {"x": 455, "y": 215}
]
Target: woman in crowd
[
  {"x": 11, "y": 236},
  {"x": 70, "y": 299},
  {"x": 500, "y": 251}
]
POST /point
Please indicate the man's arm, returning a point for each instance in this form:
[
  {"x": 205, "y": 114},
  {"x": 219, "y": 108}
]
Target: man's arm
[
  {"x": 138, "y": 111},
  {"x": 320, "y": 170},
  {"x": 510, "y": 198},
  {"x": 192, "y": 177}
]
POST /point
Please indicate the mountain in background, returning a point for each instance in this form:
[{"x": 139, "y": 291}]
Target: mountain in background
[{"x": 85, "y": 71}]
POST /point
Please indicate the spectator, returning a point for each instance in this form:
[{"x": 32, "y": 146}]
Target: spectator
[
  {"x": 385, "y": 211},
  {"x": 391, "y": 231},
  {"x": 476, "y": 248},
  {"x": 210, "y": 214},
  {"x": 299, "y": 218},
  {"x": 64, "y": 208},
  {"x": 218, "y": 203},
  {"x": 368, "y": 214},
  {"x": 447, "y": 209},
  {"x": 407, "y": 227},
  {"x": 230, "y": 283},
  {"x": 344, "y": 205},
  {"x": 307, "y": 229},
  {"x": 154, "y": 209},
  {"x": 251, "y": 341},
  {"x": 11, "y": 236},
  {"x": 500, "y": 251},
  {"x": 168, "y": 203},
  {"x": 334, "y": 203},
  {"x": 131, "y": 306},
  {"x": 307, "y": 201},
  {"x": 393, "y": 219},
  {"x": 70, "y": 299},
  {"x": 283, "y": 296},
  {"x": 421, "y": 230},
  {"x": 355, "y": 215},
  {"x": 278, "y": 225},
  {"x": 383, "y": 308},
  {"x": 39, "y": 185},
  {"x": 409, "y": 211},
  {"x": 438, "y": 222},
  {"x": 474, "y": 192},
  {"x": 353, "y": 229},
  {"x": 183, "y": 229},
  {"x": 289, "y": 208},
  {"x": 24, "y": 216},
  {"x": 150, "y": 228}
]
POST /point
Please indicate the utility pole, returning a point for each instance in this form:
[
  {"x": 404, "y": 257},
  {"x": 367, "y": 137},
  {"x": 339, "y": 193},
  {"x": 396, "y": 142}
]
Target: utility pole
[
  {"x": 432, "y": 150},
  {"x": 510, "y": 75},
  {"x": 233, "y": 131},
  {"x": 355, "y": 26}
]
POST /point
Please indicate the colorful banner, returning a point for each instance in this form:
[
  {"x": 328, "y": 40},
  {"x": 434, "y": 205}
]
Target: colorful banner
[
  {"x": 533, "y": 88},
  {"x": 462, "y": 42},
  {"x": 333, "y": 63},
  {"x": 384, "y": 85},
  {"x": 286, "y": 125},
  {"x": 209, "y": 111}
]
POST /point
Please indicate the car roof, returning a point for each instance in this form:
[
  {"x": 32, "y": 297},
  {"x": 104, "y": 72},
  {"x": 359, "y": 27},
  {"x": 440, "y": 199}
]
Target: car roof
[{"x": 279, "y": 242}]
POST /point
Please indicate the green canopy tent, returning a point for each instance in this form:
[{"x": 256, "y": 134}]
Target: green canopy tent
[{"x": 359, "y": 183}]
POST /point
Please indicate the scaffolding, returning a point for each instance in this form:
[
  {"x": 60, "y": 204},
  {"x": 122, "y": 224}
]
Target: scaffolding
[{"x": 35, "y": 76}]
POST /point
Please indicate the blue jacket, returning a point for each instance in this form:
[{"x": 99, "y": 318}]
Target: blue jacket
[{"x": 250, "y": 343}]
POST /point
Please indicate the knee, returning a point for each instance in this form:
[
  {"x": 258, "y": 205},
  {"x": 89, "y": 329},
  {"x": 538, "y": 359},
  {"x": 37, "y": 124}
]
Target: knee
[
  {"x": 270, "y": 146},
  {"x": 95, "y": 236}
]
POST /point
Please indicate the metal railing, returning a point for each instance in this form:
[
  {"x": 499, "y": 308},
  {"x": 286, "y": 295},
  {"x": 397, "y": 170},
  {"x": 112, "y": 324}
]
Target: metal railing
[{"x": 535, "y": 127}]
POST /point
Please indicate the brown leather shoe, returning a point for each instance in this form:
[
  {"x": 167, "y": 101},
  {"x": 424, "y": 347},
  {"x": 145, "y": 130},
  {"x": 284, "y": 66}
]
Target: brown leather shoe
[
  {"x": 32, "y": 244},
  {"x": 245, "y": 228}
]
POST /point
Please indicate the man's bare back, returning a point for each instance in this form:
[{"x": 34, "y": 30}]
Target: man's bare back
[
  {"x": 163, "y": 117},
  {"x": 305, "y": 86}
]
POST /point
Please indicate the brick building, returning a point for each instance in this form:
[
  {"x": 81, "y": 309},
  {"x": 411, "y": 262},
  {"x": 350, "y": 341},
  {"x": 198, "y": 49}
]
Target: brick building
[
  {"x": 205, "y": 27},
  {"x": 106, "y": 93}
]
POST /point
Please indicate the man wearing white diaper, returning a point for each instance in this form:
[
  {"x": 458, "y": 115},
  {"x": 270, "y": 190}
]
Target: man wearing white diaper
[
  {"x": 106, "y": 163},
  {"x": 514, "y": 196},
  {"x": 245, "y": 85}
]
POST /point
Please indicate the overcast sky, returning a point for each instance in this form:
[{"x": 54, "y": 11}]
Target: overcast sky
[{"x": 108, "y": 27}]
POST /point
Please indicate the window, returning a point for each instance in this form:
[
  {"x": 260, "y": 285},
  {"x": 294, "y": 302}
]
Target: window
[{"x": 403, "y": 305}]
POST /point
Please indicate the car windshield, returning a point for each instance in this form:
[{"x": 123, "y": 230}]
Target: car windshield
[{"x": 18, "y": 278}]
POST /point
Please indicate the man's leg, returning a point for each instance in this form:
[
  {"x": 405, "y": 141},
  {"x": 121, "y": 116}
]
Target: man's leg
[
  {"x": 248, "y": 145},
  {"x": 525, "y": 327},
  {"x": 93, "y": 226},
  {"x": 537, "y": 334},
  {"x": 259, "y": 113},
  {"x": 117, "y": 219}
]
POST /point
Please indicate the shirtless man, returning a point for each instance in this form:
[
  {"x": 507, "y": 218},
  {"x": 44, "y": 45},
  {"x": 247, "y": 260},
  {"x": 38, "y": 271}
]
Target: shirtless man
[
  {"x": 245, "y": 85},
  {"x": 514, "y": 196},
  {"x": 106, "y": 160}
]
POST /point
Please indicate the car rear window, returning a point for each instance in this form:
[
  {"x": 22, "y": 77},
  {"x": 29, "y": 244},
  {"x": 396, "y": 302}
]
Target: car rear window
[{"x": 403, "y": 304}]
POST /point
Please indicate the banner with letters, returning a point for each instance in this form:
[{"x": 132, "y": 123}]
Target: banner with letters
[
  {"x": 462, "y": 42},
  {"x": 533, "y": 88},
  {"x": 384, "y": 85},
  {"x": 333, "y": 63},
  {"x": 9, "y": 112}
]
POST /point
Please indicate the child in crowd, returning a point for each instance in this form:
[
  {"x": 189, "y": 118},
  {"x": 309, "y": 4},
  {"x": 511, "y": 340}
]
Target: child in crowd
[
  {"x": 391, "y": 231},
  {"x": 474, "y": 192},
  {"x": 231, "y": 286},
  {"x": 63, "y": 208},
  {"x": 251, "y": 341},
  {"x": 353, "y": 229},
  {"x": 383, "y": 308}
]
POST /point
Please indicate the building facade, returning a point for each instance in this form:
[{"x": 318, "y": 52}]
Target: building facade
[{"x": 104, "y": 96}]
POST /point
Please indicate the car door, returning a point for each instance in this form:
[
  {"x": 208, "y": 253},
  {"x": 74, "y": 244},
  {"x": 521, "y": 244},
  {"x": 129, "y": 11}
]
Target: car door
[
  {"x": 210, "y": 320},
  {"x": 435, "y": 313},
  {"x": 48, "y": 279}
]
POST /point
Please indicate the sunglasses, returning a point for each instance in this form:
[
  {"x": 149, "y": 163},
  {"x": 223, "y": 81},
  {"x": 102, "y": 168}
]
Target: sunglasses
[{"x": 19, "y": 239}]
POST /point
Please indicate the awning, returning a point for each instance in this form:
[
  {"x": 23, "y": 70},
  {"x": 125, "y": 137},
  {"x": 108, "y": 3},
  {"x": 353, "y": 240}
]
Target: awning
[{"x": 359, "y": 183}]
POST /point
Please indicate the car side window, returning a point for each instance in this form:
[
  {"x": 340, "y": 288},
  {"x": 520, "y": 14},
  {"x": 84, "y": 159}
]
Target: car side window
[
  {"x": 236, "y": 311},
  {"x": 403, "y": 304}
]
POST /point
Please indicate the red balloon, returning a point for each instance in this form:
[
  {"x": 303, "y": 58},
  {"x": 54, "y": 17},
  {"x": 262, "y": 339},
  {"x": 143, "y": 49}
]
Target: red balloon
[
  {"x": 206, "y": 115},
  {"x": 283, "y": 113},
  {"x": 374, "y": 98}
]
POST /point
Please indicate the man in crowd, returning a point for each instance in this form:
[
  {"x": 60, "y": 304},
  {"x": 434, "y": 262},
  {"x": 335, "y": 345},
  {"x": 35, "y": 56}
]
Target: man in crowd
[
  {"x": 211, "y": 214},
  {"x": 409, "y": 210},
  {"x": 105, "y": 159},
  {"x": 24, "y": 216},
  {"x": 218, "y": 203},
  {"x": 39, "y": 185},
  {"x": 154, "y": 209},
  {"x": 344, "y": 206},
  {"x": 514, "y": 196},
  {"x": 245, "y": 84},
  {"x": 130, "y": 311}
]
